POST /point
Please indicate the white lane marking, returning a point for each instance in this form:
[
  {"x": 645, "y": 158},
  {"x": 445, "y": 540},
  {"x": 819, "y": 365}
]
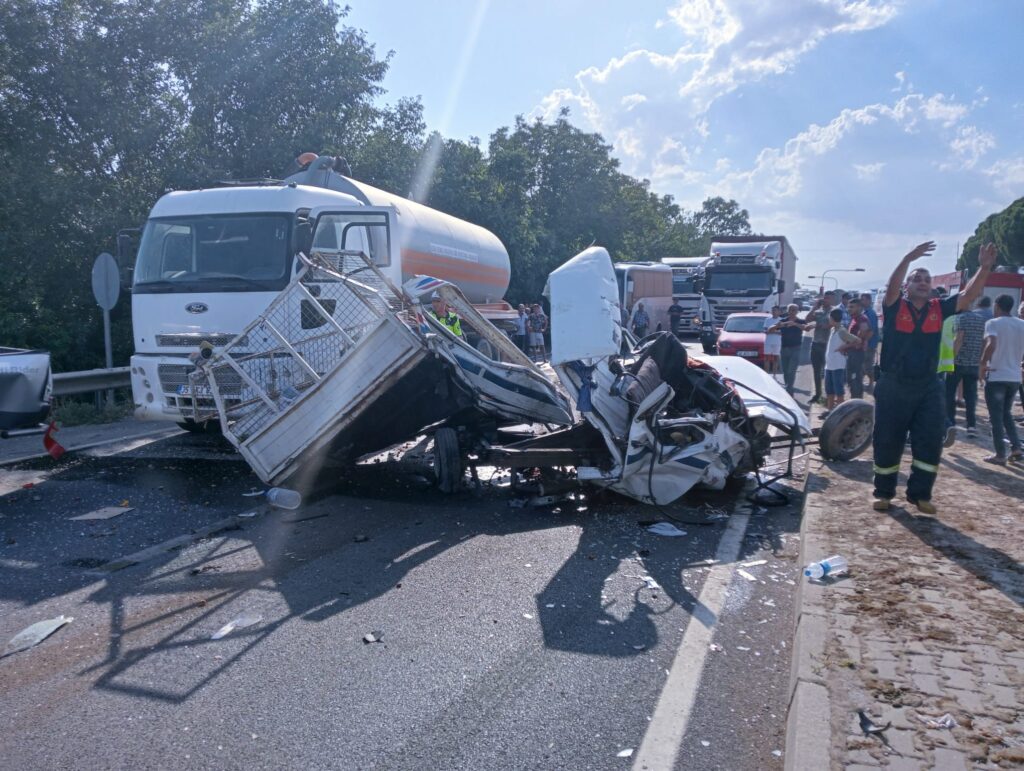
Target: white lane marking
[{"x": 668, "y": 725}]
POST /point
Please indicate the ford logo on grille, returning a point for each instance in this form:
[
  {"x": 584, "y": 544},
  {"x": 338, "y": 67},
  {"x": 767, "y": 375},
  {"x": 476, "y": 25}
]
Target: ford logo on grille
[{"x": 197, "y": 307}]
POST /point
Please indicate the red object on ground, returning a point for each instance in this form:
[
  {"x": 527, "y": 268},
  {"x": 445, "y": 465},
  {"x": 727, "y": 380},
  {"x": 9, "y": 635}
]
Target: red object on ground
[{"x": 52, "y": 445}]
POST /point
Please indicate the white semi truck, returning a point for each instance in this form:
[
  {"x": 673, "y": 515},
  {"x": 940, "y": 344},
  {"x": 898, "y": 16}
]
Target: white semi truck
[
  {"x": 744, "y": 274},
  {"x": 210, "y": 261},
  {"x": 687, "y": 284}
]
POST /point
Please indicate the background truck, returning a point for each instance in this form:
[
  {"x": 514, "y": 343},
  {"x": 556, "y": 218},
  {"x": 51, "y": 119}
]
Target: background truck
[
  {"x": 687, "y": 284},
  {"x": 649, "y": 283},
  {"x": 745, "y": 274},
  {"x": 210, "y": 261}
]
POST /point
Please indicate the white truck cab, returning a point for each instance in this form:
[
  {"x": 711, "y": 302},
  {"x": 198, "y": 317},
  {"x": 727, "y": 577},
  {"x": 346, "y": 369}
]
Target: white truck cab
[{"x": 209, "y": 261}]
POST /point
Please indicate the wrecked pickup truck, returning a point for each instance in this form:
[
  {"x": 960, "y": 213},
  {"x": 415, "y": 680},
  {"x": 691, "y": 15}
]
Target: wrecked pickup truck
[{"x": 343, "y": 364}]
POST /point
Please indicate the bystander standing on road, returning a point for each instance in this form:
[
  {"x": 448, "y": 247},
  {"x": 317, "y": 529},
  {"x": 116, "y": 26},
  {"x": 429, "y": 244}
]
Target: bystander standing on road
[
  {"x": 521, "y": 321},
  {"x": 968, "y": 336},
  {"x": 1001, "y": 362},
  {"x": 835, "y": 358},
  {"x": 772, "y": 341},
  {"x": 537, "y": 325},
  {"x": 909, "y": 396},
  {"x": 871, "y": 352},
  {"x": 844, "y": 306},
  {"x": 820, "y": 315},
  {"x": 641, "y": 321},
  {"x": 791, "y": 330},
  {"x": 984, "y": 307},
  {"x": 675, "y": 316},
  {"x": 860, "y": 328}
]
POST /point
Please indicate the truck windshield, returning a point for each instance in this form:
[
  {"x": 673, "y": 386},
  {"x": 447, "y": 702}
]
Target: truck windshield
[
  {"x": 220, "y": 253},
  {"x": 684, "y": 285},
  {"x": 756, "y": 280}
]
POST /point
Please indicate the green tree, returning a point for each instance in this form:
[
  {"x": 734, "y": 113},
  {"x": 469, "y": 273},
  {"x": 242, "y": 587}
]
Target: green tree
[
  {"x": 1006, "y": 230},
  {"x": 719, "y": 217}
]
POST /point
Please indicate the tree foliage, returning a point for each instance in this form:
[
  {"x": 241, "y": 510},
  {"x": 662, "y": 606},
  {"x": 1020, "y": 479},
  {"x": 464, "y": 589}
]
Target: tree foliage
[
  {"x": 1006, "y": 230},
  {"x": 107, "y": 104}
]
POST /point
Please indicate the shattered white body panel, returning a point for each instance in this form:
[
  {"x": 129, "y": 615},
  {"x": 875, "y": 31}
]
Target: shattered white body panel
[{"x": 656, "y": 457}]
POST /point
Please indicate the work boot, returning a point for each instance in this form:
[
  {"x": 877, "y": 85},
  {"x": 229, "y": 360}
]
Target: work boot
[
  {"x": 881, "y": 504},
  {"x": 925, "y": 507}
]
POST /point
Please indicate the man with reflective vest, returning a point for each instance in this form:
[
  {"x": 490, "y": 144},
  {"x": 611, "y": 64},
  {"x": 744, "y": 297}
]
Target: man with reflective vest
[
  {"x": 909, "y": 396},
  {"x": 449, "y": 318}
]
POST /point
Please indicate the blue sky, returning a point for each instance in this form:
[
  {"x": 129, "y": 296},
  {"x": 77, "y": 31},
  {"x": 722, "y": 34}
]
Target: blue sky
[{"x": 858, "y": 128}]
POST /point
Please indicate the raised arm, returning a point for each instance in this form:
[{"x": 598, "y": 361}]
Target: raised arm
[
  {"x": 892, "y": 290},
  {"x": 986, "y": 261}
]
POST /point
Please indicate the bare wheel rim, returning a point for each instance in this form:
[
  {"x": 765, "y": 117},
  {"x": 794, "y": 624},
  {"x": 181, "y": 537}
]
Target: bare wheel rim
[{"x": 856, "y": 434}]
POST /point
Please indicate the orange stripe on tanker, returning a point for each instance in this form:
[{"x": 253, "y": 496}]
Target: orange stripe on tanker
[{"x": 414, "y": 262}]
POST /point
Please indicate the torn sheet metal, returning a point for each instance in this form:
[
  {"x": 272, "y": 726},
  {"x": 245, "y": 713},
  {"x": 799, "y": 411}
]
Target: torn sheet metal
[
  {"x": 669, "y": 421},
  {"x": 585, "y": 313},
  {"x": 337, "y": 368}
]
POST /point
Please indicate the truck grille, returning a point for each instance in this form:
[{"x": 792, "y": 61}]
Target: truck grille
[
  {"x": 194, "y": 339},
  {"x": 174, "y": 375},
  {"x": 720, "y": 313}
]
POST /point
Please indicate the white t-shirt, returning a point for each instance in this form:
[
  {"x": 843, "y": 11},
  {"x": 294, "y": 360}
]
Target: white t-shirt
[
  {"x": 834, "y": 359},
  {"x": 1005, "y": 362},
  {"x": 772, "y": 321}
]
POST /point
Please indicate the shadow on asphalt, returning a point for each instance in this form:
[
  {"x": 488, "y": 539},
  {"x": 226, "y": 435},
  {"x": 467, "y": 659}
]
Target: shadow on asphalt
[{"x": 373, "y": 528}]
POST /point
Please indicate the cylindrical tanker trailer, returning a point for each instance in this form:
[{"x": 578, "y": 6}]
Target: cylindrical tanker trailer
[{"x": 210, "y": 261}]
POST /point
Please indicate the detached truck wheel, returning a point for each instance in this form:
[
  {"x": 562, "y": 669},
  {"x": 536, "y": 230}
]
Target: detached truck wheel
[
  {"x": 847, "y": 431},
  {"x": 447, "y": 460}
]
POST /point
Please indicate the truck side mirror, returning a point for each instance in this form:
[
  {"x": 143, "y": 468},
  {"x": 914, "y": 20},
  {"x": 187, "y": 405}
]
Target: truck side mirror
[
  {"x": 304, "y": 236},
  {"x": 127, "y": 248}
]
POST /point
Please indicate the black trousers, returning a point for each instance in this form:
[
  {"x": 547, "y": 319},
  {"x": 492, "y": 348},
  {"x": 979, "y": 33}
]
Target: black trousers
[
  {"x": 855, "y": 373},
  {"x": 969, "y": 377},
  {"x": 903, "y": 406},
  {"x": 818, "y": 365}
]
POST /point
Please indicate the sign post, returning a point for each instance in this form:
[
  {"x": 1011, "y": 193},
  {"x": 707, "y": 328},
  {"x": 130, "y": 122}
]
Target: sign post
[{"x": 106, "y": 287}]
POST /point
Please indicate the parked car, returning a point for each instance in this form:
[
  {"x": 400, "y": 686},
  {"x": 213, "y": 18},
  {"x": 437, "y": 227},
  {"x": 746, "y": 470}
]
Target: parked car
[{"x": 743, "y": 335}]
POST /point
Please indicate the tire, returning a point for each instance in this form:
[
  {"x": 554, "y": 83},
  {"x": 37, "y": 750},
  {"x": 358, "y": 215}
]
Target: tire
[
  {"x": 847, "y": 431},
  {"x": 447, "y": 460},
  {"x": 485, "y": 347}
]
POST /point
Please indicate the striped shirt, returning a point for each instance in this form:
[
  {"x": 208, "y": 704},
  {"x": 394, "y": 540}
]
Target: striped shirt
[{"x": 972, "y": 324}]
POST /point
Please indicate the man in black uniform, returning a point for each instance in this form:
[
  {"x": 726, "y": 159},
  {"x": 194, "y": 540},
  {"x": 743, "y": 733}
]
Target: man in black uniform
[{"x": 909, "y": 396}]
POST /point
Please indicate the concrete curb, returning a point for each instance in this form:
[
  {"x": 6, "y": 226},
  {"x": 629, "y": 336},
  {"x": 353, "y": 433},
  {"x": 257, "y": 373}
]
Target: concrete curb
[{"x": 808, "y": 719}]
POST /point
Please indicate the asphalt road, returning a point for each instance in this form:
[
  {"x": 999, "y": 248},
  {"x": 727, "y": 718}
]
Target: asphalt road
[{"x": 509, "y": 637}]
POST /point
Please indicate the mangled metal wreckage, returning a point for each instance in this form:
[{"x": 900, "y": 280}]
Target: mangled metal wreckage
[{"x": 344, "y": 364}]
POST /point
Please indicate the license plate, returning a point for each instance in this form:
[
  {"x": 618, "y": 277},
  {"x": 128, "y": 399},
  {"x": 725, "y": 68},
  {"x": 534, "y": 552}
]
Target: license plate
[
  {"x": 748, "y": 354},
  {"x": 188, "y": 390}
]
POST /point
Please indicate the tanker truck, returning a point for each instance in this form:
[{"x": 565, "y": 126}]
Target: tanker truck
[{"x": 210, "y": 261}]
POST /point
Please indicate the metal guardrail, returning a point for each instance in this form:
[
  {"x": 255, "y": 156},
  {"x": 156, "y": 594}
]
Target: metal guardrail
[{"x": 87, "y": 381}]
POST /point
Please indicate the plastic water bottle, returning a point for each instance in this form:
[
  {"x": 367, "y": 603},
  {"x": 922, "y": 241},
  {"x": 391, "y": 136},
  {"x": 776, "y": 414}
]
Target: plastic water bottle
[
  {"x": 833, "y": 566},
  {"x": 284, "y": 498}
]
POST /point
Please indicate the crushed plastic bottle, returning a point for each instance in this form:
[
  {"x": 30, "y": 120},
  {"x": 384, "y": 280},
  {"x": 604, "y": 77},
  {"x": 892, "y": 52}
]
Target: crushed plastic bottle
[
  {"x": 833, "y": 566},
  {"x": 283, "y": 498}
]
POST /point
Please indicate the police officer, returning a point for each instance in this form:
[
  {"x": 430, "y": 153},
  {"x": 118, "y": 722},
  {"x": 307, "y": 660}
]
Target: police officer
[
  {"x": 909, "y": 395},
  {"x": 440, "y": 310}
]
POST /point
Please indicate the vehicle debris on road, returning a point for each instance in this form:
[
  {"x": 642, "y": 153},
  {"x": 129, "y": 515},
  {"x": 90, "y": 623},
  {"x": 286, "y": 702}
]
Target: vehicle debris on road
[
  {"x": 107, "y": 512},
  {"x": 373, "y": 637},
  {"x": 33, "y": 635},
  {"x": 666, "y": 529},
  {"x": 241, "y": 622}
]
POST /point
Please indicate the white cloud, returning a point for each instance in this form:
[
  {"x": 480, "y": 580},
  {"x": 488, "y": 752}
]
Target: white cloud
[
  {"x": 1008, "y": 175},
  {"x": 629, "y": 101},
  {"x": 723, "y": 45},
  {"x": 969, "y": 145},
  {"x": 869, "y": 172}
]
